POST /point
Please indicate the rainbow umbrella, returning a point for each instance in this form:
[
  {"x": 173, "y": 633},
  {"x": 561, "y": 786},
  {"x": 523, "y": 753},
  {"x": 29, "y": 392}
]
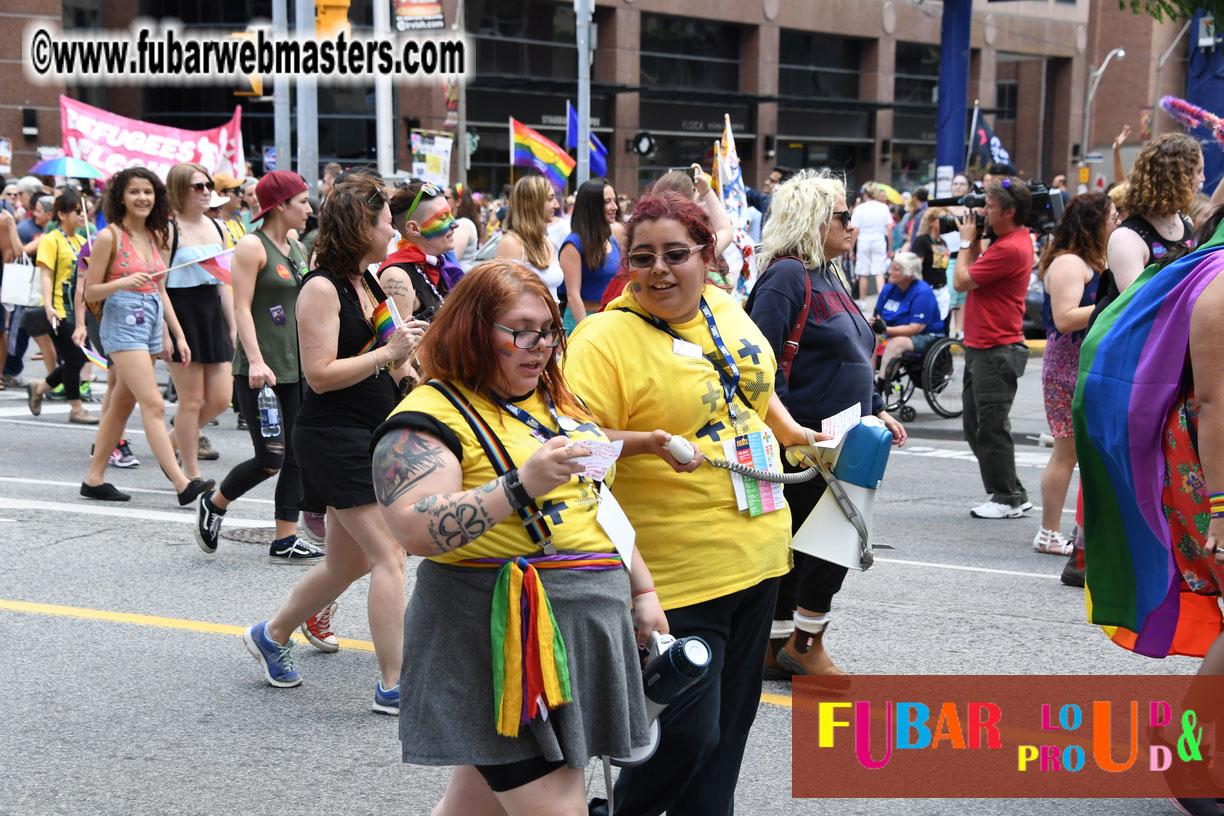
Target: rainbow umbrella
[{"x": 66, "y": 166}]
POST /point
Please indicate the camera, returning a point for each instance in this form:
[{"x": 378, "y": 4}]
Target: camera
[{"x": 1043, "y": 217}]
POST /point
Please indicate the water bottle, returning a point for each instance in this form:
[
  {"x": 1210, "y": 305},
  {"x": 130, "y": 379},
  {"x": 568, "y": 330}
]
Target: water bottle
[{"x": 269, "y": 412}]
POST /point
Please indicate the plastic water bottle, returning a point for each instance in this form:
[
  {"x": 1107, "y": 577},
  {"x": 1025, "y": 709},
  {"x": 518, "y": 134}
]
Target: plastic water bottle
[{"x": 269, "y": 412}]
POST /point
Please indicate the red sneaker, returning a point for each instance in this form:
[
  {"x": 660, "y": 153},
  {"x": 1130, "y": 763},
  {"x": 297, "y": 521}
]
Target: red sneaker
[{"x": 318, "y": 630}]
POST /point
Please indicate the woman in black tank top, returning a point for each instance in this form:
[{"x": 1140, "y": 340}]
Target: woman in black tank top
[{"x": 348, "y": 395}]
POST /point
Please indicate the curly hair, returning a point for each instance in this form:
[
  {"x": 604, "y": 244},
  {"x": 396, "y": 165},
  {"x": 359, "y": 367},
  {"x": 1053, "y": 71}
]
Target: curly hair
[
  {"x": 1082, "y": 231},
  {"x": 674, "y": 206},
  {"x": 459, "y": 347},
  {"x": 347, "y": 220},
  {"x": 1165, "y": 176},
  {"x": 800, "y": 211},
  {"x": 113, "y": 208}
]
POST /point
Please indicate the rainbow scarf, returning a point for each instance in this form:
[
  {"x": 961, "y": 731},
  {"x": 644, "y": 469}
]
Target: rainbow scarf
[
  {"x": 384, "y": 327},
  {"x": 1131, "y": 374},
  {"x": 530, "y": 662}
]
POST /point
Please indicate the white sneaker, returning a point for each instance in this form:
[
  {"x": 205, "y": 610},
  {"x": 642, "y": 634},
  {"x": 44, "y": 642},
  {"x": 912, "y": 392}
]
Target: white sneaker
[{"x": 996, "y": 510}]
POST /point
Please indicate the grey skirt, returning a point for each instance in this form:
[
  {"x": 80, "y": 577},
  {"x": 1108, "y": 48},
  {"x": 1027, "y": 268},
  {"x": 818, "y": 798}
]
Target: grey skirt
[{"x": 446, "y": 687}]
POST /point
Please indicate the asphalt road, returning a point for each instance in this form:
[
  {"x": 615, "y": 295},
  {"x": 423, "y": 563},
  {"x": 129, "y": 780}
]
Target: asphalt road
[{"x": 127, "y": 690}]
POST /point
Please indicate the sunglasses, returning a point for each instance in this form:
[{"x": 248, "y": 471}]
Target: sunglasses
[
  {"x": 427, "y": 191},
  {"x": 844, "y": 217},
  {"x": 529, "y": 338},
  {"x": 376, "y": 199},
  {"x": 672, "y": 257},
  {"x": 201, "y": 186}
]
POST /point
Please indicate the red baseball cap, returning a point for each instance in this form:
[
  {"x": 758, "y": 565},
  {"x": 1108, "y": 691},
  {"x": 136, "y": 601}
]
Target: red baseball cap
[{"x": 277, "y": 186}]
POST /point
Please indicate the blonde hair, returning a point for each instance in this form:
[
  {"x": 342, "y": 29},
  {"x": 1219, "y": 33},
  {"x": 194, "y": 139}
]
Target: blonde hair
[
  {"x": 929, "y": 215},
  {"x": 800, "y": 210},
  {"x": 178, "y": 182},
  {"x": 526, "y": 216}
]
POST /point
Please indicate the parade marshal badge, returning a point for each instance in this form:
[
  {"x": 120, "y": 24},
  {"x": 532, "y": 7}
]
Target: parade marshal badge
[{"x": 283, "y": 271}]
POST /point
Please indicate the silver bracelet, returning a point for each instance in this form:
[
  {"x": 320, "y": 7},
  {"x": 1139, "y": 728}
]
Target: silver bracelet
[{"x": 376, "y": 367}]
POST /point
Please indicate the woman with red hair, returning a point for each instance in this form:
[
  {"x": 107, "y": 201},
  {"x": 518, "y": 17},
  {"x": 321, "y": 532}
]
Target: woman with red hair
[{"x": 479, "y": 471}]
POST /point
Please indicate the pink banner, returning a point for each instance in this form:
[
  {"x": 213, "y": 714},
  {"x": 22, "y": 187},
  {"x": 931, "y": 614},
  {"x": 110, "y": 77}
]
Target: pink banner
[{"x": 111, "y": 143}]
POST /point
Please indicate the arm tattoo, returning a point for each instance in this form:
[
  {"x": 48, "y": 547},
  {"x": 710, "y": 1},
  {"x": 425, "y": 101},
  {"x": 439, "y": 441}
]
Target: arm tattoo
[
  {"x": 401, "y": 460},
  {"x": 395, "y": 288},
  {"x": 456, "y": 519}
]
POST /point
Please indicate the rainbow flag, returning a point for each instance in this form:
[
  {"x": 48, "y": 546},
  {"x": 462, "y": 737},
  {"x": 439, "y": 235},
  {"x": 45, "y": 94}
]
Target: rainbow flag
[
  {"x": 1131, "y": 374},
  {"x": 94, "y": 357},
  {"x": 384, "y": 326},
  {"x": 219, "y": 266},
  {"x": 529, "y": 149}
]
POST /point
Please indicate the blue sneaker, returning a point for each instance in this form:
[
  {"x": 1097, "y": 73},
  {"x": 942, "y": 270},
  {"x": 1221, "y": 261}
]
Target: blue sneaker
[
  {"x": 386, "y": 702},
  {"x": 277, "y": 660}
]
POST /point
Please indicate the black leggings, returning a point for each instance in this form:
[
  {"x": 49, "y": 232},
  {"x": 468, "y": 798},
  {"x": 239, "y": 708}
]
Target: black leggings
[
  {"x": 72, "y": 359},
  {"x": 271, "y": 453},
  {"x": 813, "y": 582}
]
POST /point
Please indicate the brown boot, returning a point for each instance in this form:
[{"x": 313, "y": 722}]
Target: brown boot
[
  {"x": 773, "y": 669},
  {"x": 804, "y": 654}
]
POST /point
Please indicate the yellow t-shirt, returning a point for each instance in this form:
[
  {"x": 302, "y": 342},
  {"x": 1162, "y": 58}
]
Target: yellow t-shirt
[
  {"x": 59, "y": 254},
  {"x": 690, "y": 533},
  {"x": 569, "y": 510},
  {"x": 235, "y": 228}
]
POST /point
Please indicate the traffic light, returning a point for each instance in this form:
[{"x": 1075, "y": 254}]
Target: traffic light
[
  {"x": 331, "y": 18},
  {"x": 255, "y": 80}
]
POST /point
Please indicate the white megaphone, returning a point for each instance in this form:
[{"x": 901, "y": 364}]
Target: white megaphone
[{"x": 839, "y": 529}]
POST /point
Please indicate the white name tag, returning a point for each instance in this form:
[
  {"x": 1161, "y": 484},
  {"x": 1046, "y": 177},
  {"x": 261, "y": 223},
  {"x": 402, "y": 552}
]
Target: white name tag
[
  {"x": 686, "y": 349},
  {"x": 616, "y": 524}
]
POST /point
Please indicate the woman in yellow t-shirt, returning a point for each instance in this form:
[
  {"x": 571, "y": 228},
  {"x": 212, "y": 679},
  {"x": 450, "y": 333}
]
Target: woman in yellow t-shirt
[
  {"x": 476, "y": 470},
  {"x": 57, "y": 259},
  {"x": 674, "y": 352}
]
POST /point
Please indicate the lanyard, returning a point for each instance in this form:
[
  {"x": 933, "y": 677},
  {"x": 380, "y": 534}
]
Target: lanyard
[
  {"x": 729, "y": 377},
  {"x": 76, "y": 253},
  {"x": 530, "y": 421}
]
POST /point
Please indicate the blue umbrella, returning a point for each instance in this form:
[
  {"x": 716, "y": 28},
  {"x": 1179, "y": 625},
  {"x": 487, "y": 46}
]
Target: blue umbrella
[{"x": 68, "y": 167}]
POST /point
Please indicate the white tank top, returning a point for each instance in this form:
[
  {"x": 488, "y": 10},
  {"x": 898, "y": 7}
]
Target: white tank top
[{"x": 552, "y": 276}]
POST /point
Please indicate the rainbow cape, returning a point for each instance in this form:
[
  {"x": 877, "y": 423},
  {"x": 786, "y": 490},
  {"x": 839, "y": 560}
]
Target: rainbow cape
[
  {"x": 1131, "y": 373},
  {"x": 529, "y": 149}
]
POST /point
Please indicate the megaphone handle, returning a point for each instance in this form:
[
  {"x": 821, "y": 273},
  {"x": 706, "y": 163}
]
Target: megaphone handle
[{"x": 866, "y": 558}]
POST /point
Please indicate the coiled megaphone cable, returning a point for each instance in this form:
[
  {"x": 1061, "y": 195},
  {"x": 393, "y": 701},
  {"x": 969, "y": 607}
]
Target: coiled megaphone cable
[{"x": 683, "y": 452}]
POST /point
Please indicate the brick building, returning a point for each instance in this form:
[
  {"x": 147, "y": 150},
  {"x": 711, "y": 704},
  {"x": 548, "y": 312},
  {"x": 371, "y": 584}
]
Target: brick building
[{"x": 845, "y": 83}]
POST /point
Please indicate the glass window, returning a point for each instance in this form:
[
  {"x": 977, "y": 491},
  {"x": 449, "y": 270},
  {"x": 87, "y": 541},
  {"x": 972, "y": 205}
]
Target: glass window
[
  {"x": 682, "y": 54},
  {"x": 541, "y": 20},
  {"x": 1005, "y": 100},
  {"x": 818, "y": 65},
  {"x": 917, "y": 74}
]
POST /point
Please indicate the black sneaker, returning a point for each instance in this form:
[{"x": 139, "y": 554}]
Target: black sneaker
[
  {"x": 294, "y": 551},
  {"x": 242, "y": 426},
  {"x": 103, "y": 492},
  {"x": 193, "y": 489},
  {"x": 208, "y": 523}
]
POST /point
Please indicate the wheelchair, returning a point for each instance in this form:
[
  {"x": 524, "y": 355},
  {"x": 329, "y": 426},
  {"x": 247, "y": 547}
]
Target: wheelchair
[{"x": 939, "y": 372}]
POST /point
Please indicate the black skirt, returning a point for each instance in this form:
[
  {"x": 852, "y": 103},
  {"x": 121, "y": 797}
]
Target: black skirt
[
  {"x": 198, "y": 309},
  {"x": 335, "y": 465}
]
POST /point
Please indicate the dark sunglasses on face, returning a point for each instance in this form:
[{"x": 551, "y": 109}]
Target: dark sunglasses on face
[
  {"x": 672, "y": 257},
  {"x": 201, "y": 186},
  {"x": 529, "y": 338},
  {"x": 844, "y": 217}
]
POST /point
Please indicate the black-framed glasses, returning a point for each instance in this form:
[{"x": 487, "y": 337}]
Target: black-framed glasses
[
  {"x": 201, "y": 186},
  {"x": 529, "y": 338},
  {"x": 844, "y": 216},
  {"x": 672, "y": 257},
  {"x": 427, "y": 190}
]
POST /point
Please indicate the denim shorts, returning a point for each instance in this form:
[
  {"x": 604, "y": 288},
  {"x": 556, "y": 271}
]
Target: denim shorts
[{"x": 132, "y": 321}]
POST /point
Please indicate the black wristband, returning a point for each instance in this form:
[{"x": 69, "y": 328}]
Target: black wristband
[{"x": 519, "y": 498}]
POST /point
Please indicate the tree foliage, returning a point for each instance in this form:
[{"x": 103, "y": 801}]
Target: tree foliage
[{"x": 1174, "y": 9}]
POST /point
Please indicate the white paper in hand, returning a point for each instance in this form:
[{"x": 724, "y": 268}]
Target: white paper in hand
[
  {"x": 839, "y": 424},
  {"x": 603, "y": 456}
]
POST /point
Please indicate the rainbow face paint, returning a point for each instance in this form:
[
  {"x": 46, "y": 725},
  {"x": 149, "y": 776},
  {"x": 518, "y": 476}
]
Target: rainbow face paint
[
  {"x": 438, "y": 225},
  {"x": 507, "y": 348}
]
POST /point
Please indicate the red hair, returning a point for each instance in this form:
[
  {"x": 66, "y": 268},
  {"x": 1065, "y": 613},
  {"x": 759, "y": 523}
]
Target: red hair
[
  {"x": 672, "y": 205},
  {"x": 458, "y": 346}
]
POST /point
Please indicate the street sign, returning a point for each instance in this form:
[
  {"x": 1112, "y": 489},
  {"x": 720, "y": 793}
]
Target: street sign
[
  {"x": 1083, "y": 175},
  {"x": 1094, "y": 158}
]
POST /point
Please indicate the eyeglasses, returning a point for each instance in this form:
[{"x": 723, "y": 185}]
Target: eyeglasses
[
  {"x": 844, "y": 216},
  {"x": 201, "y": 186},
  {"x": 377, "y": 198},
  {"x": 672, "y": 257},
  {"x": 427, "y": 191},
  {"x": 530, "y": 338}
]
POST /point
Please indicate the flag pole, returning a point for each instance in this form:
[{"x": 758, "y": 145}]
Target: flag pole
[{"x": 972, "y": 132}]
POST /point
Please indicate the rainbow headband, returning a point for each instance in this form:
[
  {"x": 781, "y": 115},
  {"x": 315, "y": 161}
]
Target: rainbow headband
[{"x": 438, "y": 224}]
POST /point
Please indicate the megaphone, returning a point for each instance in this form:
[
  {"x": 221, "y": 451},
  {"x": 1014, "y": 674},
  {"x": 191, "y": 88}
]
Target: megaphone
[
  {"x": 673, "y": 666},
  {"x": 839, "y": 529}
]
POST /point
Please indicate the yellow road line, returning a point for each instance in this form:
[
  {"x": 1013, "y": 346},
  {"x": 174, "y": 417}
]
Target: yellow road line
[{"x": 210, "y": 628}]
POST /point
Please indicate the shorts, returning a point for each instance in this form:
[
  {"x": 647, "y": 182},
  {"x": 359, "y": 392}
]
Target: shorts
[
  {"x": 943, "y": 298},
  {"x": 922, "y": 341},
  {"x": 871, "y": 256},
  {"x": 132, "y": 321},
  {"x": 502, "y": 778},
  {"x": 956, "y": 300}
]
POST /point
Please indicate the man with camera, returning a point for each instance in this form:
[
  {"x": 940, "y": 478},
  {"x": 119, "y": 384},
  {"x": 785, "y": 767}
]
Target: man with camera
[{"x": 995, "y": 355}]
